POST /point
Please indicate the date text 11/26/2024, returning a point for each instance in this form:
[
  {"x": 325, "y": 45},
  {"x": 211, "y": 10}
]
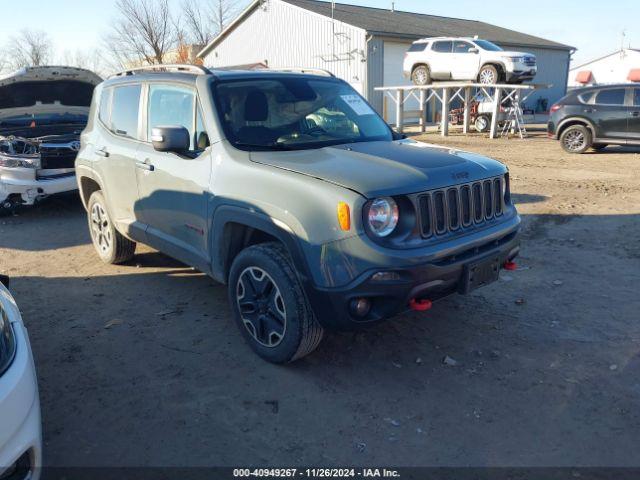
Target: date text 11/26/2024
[{"x": 316, "y": 473}]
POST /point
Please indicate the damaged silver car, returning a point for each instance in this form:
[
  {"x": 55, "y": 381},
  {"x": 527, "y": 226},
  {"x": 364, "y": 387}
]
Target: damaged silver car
[{"x": 43, "y": 110}]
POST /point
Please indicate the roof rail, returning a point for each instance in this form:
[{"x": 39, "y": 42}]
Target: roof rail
[
  {"x": 315, "y": 71},
  {"x": 161, "y": 68}
]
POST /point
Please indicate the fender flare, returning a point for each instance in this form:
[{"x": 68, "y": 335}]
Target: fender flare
[
  {"x": 226, "y": 214},
  {"x": 588, "y": 123}
]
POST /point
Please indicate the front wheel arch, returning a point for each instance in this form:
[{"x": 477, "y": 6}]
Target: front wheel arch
[{"x": 235, "y": 228}]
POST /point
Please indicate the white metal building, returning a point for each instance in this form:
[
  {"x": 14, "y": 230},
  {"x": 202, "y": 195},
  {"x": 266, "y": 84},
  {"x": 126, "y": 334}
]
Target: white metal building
[
  {"x": 618, "y": 67},
  {"x": 364, "y": 46}
]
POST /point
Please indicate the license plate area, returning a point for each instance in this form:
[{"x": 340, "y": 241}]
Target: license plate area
[{"x": 480, "y": 273}]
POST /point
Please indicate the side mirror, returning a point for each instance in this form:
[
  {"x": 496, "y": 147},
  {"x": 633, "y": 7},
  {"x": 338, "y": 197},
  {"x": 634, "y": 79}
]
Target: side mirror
[
  {"x": 473, "y": 50},
  {"x": 170, "y": 138}
]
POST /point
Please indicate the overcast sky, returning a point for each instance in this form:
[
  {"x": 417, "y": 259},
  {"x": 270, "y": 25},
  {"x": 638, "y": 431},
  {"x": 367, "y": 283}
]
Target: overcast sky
[{"x": 593, "y": 26}]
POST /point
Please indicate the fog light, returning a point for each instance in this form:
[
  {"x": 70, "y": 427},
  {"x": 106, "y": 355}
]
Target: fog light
[{"x": 360, "y": 306}]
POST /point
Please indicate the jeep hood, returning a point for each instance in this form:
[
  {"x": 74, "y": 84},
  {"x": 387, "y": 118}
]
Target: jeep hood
[
  {"x": 385, "y": 168},
  {"x": 46, "y": 91}
]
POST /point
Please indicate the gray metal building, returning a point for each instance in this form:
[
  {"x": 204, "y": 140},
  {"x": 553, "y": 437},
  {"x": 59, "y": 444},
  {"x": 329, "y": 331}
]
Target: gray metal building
[{"x": 364, "y": 46}]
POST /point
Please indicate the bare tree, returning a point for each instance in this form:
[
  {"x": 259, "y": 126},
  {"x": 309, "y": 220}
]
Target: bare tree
[
  {"x": 144, "y": 32},
  {"x": 91, "y": 59},
  {"x": 30, "y": 48},
  {"x": 204, "y": 20}
]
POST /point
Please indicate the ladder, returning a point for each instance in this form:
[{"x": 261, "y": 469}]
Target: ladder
[{"x": 514, "y": 123}]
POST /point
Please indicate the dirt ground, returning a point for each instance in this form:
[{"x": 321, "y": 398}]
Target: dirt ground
[{"x": 141, "y": 364}]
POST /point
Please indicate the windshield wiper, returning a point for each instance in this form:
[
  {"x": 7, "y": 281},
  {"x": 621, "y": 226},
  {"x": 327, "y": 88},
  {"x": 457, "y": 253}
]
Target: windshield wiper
[{"x": 267, "y": 146}]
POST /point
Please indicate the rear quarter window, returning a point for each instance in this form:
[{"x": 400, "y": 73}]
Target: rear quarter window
[
  {"x": 587, "y": 97},
  {"x": 418, "y": 47},
  {"x": 125, "y": 108}
]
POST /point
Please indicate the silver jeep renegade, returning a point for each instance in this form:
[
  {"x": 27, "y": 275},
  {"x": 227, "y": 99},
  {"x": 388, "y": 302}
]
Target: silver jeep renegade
[{"x": 290, "y": 189}]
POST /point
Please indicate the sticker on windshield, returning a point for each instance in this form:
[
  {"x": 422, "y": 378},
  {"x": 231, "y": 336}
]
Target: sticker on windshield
[{"x": 358, "y": 105}]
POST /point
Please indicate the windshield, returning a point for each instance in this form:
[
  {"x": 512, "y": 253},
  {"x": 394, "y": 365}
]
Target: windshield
[
  {"x": 295, "y": 113},
  {"x": 486, "y": 45}
]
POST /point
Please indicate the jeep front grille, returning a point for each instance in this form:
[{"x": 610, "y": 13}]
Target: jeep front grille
[{"x": 454, "y": 208}]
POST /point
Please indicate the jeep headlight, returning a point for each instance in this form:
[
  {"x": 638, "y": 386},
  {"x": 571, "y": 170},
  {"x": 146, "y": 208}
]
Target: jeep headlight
[
  {"x": 7, "y": 342},
  {"x": 20, "y": 162},
  {"x": 382, "y": 216},
  {"x": 514, "y": 59}
]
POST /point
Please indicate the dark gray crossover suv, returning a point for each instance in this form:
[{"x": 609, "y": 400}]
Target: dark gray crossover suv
[
  {"x": 595, "y": 117},
  {"x": 290, "y": 189}
]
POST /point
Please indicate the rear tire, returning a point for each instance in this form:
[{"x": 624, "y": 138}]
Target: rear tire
[
  {"x": 112, "y": 247},
  {"x": 482, "y": 123},
  {"x": 576, "y": 139},
  {"x": 269, "y": 304},
  {"x": 421, "y": 75}
]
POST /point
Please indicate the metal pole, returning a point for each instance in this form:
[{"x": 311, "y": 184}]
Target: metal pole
[
  {"x": 423, "y": 110},
  {"x": 399, "y": 110},
  {"x": 467, "y": 109},
  {"x": 445, "y": 113},
  {"x": 496, "y": 111}
]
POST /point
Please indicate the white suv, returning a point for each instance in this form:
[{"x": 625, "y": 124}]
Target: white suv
[{"x": 447, "y": 58}]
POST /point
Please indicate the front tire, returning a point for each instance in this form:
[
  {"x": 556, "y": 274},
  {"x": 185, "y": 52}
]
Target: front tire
[
  {"x": 269, "y": 305},
  {"x": 488, "y": 75},
  {"x": 576, "y": 139},
  {"x": 112, "y": 247},
  {"x": 421, "y": 75}
]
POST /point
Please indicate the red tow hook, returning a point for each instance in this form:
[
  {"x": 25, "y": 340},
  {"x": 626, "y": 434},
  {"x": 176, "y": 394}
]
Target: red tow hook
[
  {"x": 420, "y": 305},
  {"x": 510, "y": 266}
]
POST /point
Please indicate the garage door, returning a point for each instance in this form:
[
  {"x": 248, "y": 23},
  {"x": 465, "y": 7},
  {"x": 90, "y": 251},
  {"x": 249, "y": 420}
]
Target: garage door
[{"x": 393, "y": 58}]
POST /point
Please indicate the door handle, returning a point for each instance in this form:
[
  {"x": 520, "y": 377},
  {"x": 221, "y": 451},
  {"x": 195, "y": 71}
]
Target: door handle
[
  {"x": 145, "y": 166},
  {"x": 102, "y": 152},
  {"x": 590, "y": 110}
]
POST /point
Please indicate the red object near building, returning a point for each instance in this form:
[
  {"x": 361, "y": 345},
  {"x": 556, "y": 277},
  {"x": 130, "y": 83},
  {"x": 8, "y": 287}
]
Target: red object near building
[
  {"x": 634, "y": 75},
  {"x": 584, "y": 76}
]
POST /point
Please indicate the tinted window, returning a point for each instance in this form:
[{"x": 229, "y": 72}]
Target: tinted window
[
  {"x": 124, "y": 111},
  {"x": 418, "y": 47},
  {"x": 105, "y": 106},
  {"x": 444, "y": 47},
  {"x": 636, "y": 97},
  {"x": 461, "y": 47},
  {"x": 611, "y": 97},
  {"x": 172, "y": 105},
  {"x": 587, "y": 97}
]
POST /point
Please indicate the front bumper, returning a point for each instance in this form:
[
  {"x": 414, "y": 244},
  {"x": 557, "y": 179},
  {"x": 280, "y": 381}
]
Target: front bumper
[
  {"x": 521, "y": 73},
  {"x": 25, "y": 183},
  {"x": 430, "y": 280},
  {"x": 20, "y": 424}
]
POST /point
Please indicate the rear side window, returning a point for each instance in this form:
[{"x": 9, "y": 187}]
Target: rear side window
[
  {"x": 171, "y": 105},
  {"x": 104, "y": 112},
  {"x": 418, "y": 47},
  {"x": 636, "y": 97},
  {"x": 442, "y": 47},
  {"x": 611, "y": 97},
  {"x": 124, "y": 111}
]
